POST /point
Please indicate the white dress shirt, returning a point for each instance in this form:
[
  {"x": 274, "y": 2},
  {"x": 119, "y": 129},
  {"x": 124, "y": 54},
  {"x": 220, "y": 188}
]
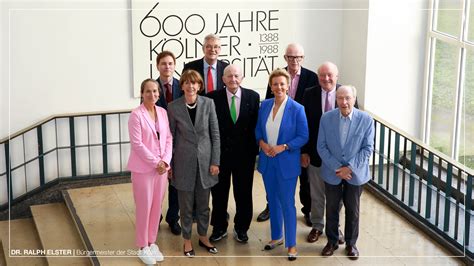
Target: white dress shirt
[{"x": 273, "y": 125}]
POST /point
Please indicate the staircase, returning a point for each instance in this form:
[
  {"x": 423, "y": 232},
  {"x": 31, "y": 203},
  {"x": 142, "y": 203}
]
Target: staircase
[{"x": 73, "y": 232}]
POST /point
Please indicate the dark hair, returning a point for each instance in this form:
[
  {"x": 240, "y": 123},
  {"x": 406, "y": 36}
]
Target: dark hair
[
  {"x": 191, "y": 76},
  {"x": 165, "y": 54}
]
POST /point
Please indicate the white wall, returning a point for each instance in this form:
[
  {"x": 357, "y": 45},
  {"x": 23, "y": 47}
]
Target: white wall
[
  {"x": 64, "y": 59},
  {"x": 68, "y": 57},
  {"x": 396, "y": 51}
]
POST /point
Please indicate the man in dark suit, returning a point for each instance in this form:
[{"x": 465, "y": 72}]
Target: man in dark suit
[
  {"x": 318, "y": 100},
  {"x": 209, "y": 67},
  {"x": 169, "y": 91},
  {"x": 237, "y": 113},
  {"x": 301, "y": 79}
]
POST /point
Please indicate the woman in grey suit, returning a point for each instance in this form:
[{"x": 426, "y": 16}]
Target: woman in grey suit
[{"x": 196, "y": 155}]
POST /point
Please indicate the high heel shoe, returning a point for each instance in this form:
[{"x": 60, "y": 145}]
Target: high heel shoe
[
  {"x": 211, "y": 249},
  {"x": 189, "y": 254},
  {"x": 292, "y": 256},
  {"x": 271, "y": 245}
]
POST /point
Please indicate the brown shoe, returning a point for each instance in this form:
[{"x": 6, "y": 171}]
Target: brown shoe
[
  {"x": 352, "y": 252},
  {"x": 341, "y": 238},
  {"x": 328, "y": 250},
  {"x": 313, "y": 236}
]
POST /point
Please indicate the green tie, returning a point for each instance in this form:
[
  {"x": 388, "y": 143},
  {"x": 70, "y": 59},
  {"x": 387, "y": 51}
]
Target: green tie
[{"x": 233, "y": 112}]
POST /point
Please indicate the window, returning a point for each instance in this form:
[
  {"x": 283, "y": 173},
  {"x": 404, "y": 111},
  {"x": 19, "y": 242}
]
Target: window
[{"x": 449, "y": 120}]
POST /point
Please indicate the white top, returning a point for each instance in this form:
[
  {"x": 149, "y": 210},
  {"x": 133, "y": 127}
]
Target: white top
[
  {"x": 238, "y": 97},
  {"x": 273, "y": 126}
]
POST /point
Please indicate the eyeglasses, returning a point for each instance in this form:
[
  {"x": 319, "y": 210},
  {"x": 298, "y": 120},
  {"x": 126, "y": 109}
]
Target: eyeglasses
[
  {"x": 211, "y": 47},
  {"x": 292, "y": 57}
]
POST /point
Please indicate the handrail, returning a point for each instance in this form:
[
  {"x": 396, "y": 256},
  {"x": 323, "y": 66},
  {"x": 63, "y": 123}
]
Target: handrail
[
  {"x": 423, "y": 145},
  {"x": 64, "y": 115}
]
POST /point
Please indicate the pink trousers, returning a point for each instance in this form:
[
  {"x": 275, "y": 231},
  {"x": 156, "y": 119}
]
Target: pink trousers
[{"x": 148, "y": 192}]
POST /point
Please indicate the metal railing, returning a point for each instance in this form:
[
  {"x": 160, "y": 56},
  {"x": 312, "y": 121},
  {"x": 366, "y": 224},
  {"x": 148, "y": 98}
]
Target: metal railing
[
  {"x": 431, "y": 189},
  {"x": 427, "y": 187},
  {"x": 86, "y": 145}
]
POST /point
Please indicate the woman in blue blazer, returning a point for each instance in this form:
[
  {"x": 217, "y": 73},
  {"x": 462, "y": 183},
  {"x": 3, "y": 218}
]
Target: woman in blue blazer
[{"x": 281, "y": 131}]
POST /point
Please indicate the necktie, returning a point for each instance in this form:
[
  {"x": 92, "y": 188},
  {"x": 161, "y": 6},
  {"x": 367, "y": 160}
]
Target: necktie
[
  {"x": 327, "y": 105},
  {"x": 233, "y": 111},
  {"x": 210, "y": 82},
  {"x": 169, "y": 94}
]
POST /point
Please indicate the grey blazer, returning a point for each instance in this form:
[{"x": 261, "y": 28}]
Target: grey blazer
[{"x": 194, "y": 145}]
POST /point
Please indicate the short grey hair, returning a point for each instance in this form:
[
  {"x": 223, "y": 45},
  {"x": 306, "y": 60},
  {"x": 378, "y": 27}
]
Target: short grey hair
[
  {"x": 350, "y": 88},
  {"x": 211, "y": 36}
]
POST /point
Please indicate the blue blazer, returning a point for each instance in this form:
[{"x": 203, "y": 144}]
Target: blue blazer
[
  {"x": 293, "y": 132},
  {"x": 356, "y": 151},
  {"x": 177, "y": 92}
]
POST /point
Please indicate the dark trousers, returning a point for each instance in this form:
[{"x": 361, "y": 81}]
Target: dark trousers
[
  {"x": 350, "y": 196},
  {"x": 172, "y": 215},
  {"x": 305, "y": 193},
  {"x": 242, "y": 182}
]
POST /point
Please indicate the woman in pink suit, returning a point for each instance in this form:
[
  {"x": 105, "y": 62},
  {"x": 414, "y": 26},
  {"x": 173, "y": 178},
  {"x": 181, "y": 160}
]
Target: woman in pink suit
[{"x": 150, "y": 155}]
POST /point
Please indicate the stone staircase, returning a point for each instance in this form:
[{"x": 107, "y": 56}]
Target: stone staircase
[{"x": 80, "y": 231}]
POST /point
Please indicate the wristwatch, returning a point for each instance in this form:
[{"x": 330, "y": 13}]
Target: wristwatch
[{"x": 286, "y": 147}]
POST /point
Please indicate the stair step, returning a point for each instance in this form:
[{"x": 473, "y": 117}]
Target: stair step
[
  {"x": 107, "y": 215},
  {"x": 57, "y": 232},
  {"x": 24, "y": 238},
  {"x": 2, "y": 256}
]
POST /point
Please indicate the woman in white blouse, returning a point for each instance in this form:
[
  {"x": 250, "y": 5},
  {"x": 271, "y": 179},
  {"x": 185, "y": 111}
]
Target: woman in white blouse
[{"x": 281, "y": 131}]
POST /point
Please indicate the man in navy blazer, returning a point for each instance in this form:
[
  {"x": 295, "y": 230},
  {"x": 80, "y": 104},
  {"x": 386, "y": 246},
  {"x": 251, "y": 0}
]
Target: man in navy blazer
[
  {"x": 238, "y": 153},
  {"x": 301, "y": 79},
  {"x": 314, "y": 102},
  {"x": 209, "y": 67},
  {"x": 345, "y": 144},
  {"x": 169, "y": 91}
]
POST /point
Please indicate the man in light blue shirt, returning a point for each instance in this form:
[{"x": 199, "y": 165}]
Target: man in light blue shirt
[{"x": 345, "y": 144}]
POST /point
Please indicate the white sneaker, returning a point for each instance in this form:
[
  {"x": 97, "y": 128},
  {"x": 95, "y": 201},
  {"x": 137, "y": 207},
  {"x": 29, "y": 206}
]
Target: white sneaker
[
  {"x": 146, "y": 256},
  {"x": 155, "y": 251}
]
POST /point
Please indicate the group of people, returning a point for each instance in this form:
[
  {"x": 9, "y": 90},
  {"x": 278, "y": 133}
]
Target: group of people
[{"x": 204, "y": 131}]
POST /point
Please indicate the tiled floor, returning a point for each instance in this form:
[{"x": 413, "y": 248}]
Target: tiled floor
[{"x": 107, "y": 214}]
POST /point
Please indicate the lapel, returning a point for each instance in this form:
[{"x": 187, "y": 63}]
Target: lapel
[
  {"x": 265, "y": 113},
  {"x": 183, "y": 112},
  {"x": 284, "y": 118},
  {"x": 148, "y": 119},
  {"x": 244, "y": 104},
  {"x": 335, "y": 122},
  {"x": 199, "y": 112},
  {"x": 223, "y": 99},
  {"x": 176, "y": 89},
  {"x": 352, "y": 128}
]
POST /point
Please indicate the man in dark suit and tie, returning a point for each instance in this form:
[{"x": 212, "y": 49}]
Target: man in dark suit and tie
[
  {"x": 301, "y": 79},
  {"x": 169, "y": 91},
  {"x": 318, "y": 100},
  {"x": 345, "y": 144},
  {"x": 237, "y": 113},
  {"x": 209, "y": 67}
]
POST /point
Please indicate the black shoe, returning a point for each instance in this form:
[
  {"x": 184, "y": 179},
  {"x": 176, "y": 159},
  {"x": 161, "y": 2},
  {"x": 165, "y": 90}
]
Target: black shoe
[
  {"x": 240, "y": 236},
  {"x": 211, "y": 249},
  {"x": 307, "y": 219},
  {"x": 189, "y": 254},
  {"x": 217, "y": 235},
  {"x": 175, "y": 228},
  {"x": 264, "y": 215}
]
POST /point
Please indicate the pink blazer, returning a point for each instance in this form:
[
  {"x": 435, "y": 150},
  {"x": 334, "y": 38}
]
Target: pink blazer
[{"x": 145, "y": 149}]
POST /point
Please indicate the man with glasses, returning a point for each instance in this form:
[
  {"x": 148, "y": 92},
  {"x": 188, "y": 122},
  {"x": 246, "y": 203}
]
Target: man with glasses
[
  {"x": 301, "y": 78},
  {"x": 210, "y": 68}
]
